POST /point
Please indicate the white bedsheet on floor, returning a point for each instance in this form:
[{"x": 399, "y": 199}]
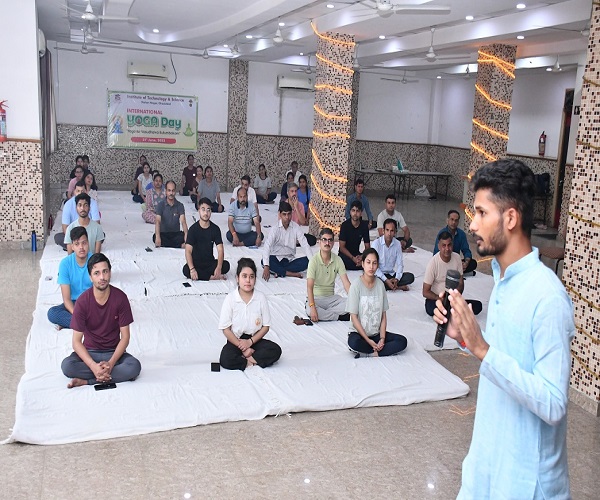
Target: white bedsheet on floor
[{"x": 175, "y": 336}]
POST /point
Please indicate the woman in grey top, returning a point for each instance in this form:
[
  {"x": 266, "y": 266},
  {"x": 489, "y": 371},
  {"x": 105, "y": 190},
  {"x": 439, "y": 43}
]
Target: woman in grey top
[
  {"x": 262, "y": 186},
  {"x": 367, "y": 305}
]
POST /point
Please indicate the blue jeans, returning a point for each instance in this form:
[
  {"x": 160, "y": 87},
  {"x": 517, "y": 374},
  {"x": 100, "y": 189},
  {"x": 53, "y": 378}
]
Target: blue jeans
[
  {"x": 59, "y": 315},
  {"x": 248, "y": 239},
  {"x": 126, "y": 368},
  {"x": 263, "y": 200},
  {"x": 281, "y": 267},
  {"x": 394, "y": 343}
]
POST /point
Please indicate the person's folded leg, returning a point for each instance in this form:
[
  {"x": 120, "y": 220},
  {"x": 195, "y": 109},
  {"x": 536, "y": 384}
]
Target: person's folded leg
[
  {"x": 59, "y": 315},
  {"x": 266, "y": 352},
  {"x": 394, "y": 343},
  {"x": 127, "y": 368},
  {"x": 298, "y": 265},
  {"x": 311, "y": 240},
  {"x": 358, "y": 344},
  {"x": 429, "y": 306},
  {"x": 329, "y": 308},
  {"x": 248, "y": 239},
  {"x": 232, "y": 358},
  {"x": 476, "y": 305},
  {"x": 406, "y": 279},
  {"x": 471, "y": 266},
  {"x": 349, "y": 264},
  {"x": 277, "y": 266}
]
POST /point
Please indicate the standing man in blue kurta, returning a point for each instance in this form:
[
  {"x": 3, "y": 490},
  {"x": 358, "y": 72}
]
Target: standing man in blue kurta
[{"x": 519, "y": 447}]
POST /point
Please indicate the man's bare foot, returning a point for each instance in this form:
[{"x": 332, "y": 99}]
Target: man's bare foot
[
  {"x": 218, "y": 277},
  {"x": 251, "y": 362},
  {"x": 375, "y": 354},
  {"x": 183, "y": 245},
  {"x": 404, "y": 288},
  {"x": 58, "y": 328},
  {"x": 76, "y": 382},
  {"x": 294, "y": 275},
  {"x": 408, "y": 250},
  {"x": 248, "y": 352}
]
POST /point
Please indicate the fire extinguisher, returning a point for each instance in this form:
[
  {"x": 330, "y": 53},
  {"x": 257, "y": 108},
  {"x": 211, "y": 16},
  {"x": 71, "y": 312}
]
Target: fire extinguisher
[
  {"x": 3, "y": 136},
  {"x": 542, "y": 144}
]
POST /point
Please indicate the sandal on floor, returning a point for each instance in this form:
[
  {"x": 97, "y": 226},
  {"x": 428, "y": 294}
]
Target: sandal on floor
[{"x": 298, "y": 320}]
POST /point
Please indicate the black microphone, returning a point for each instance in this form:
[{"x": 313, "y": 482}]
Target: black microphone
[{"x": 452, "y": 282}]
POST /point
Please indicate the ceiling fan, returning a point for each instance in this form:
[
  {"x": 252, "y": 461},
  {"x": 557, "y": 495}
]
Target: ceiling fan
[
  {"x": 431, "y": 56},
  {"x": 386, "y": 8},
  {"x": 403, "y": 81},
  {"x": 84, "y": 48},
  {"x": 308, "y": 69},
  {"x": 89, "y": 15}
]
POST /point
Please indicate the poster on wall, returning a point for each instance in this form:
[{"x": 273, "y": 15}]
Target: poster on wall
[{"x": 152, "y": 121}]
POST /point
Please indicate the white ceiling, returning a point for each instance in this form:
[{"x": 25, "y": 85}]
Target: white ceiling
[{"x": 551, "y": 28}]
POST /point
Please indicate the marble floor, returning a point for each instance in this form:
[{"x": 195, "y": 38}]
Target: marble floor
[{"x": 406, "y": 452}]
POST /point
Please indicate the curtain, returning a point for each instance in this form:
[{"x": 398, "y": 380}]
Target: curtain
[{"x": 49, "y": 131}]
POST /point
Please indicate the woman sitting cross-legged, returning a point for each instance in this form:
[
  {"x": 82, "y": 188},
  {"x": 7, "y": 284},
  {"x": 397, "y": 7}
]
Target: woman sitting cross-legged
[
  {"x": 367, "y": 305},
  {"x": 245, "y": 320}
]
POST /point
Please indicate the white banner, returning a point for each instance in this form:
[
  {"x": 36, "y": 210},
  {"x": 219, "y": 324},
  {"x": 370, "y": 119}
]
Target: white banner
[{"x": 152, "y": 121}]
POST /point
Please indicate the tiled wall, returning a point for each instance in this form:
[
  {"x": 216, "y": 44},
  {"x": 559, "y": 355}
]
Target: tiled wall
[
  {"x": 332, "y": 126},
  {"x": 582, "y": 252},
  {"x": 21, "y": 191},
  {"x": 237, "y": 121}
]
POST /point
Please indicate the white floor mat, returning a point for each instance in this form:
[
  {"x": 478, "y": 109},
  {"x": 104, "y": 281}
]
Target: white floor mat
[{"x": 175, "y": 337}]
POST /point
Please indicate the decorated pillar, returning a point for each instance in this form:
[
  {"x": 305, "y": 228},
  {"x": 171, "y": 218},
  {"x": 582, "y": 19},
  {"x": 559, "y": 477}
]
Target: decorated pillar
[
  {"x": 237, "y": 121},
  {"x": 331, "y": 130},
  {"x": 581, "y": 270},
  {"x": 491, "y": 112}
]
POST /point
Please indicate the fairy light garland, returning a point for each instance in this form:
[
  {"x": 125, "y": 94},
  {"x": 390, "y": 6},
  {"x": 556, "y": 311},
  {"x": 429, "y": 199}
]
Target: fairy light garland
[
  {"x": 344, "y": 118},
  {"x": 325, "y": 195},
  {"x": 322, "y": 223},
  {"x": 330, "y": 39},
  {"x": 489, "y": 129},
  {"x": 334, "y": 65},
  {"x": 487, "y": 96},
  {"x": 331, "y": 134},
  {"x": 324, "y": 172},
  {"x": 333, "y": 88},
  {"x": 479, "y": 149},
  {"x": 506, "y": 67}
]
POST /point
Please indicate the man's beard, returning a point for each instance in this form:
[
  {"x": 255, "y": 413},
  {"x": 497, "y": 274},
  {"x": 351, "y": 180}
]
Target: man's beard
[{"x": 497, "y": 243}]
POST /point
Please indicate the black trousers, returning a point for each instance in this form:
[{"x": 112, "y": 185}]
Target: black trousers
[
  {"x": 471, "y": 266},
  {"x": 170, "y": 240},
  {"x": 349, "y": 263},
  {"x": 266, "y": 353},
  {"x": 405, "y": 279},
  {"x": 206, "y": 269},
  {"x": 475, "y": 304}
]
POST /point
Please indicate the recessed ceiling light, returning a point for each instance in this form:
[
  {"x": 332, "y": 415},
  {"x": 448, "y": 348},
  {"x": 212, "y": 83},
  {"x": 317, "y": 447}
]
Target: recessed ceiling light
[
  {"x": 281, "y": 24},
  {"x": 439, "y": 77},
  {"x": 520, "y": 37},
  {"x": 469, "y": 18},
  {"x": 330, "y": 6},
  {"x": 301, "y": 53},
  {"x": 249, "y": 37},
  {"x": 521, "y": 6},
  {"x": 155, "y": 30},
  {"x": 382, "y": 37},
  {"x": 548, "y": 69},
  {"x": 225, "y": 45}
]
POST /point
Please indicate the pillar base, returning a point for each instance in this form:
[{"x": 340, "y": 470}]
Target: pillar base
[{"x": 584, "y": 402}]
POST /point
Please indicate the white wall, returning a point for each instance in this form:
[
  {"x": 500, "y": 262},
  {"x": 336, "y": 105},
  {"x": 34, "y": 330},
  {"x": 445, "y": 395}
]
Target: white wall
[
  {"x": 19, "y": 84},
  {"x": 391, "y": 111},
  {"x": 456, "y": 112},
  {"x": 272, "y": 112},
  {"x": 537, "y": 105},
  {"x": 82, "y": 81}
]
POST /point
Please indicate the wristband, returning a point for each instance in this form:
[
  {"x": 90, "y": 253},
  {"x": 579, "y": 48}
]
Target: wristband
[
  {"x": 462, "y": 344},
  {"x": 311, "y": 304},
  {"x": 192, "y": 269},
  {"x": 252, "y": 340}
]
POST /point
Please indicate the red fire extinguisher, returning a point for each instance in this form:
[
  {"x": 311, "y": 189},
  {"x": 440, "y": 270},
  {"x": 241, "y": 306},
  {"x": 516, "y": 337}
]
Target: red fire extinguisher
[
  {"x": 3, "y": 136},
  {"x": 542, "y": 144}
]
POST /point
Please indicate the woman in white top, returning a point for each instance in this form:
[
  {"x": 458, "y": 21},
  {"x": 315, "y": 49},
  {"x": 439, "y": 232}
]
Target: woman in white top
[
  {"x": 262, "y": 186},
  {"x": 144, "y": 179},
  {"x": 367, "y": 305},
  {"x": 245, "y": 320},
  {"x": 90, "y": 185}
]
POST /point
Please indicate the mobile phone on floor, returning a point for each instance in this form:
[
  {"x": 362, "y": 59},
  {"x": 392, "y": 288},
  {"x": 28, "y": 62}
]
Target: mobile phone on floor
[
  {"x": 108, "y": 385},
  {"x": 148, "y": 249},
  {"x": 186, "y": 284}
]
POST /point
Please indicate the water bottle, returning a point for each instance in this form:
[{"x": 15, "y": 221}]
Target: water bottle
[{"x": 33, "y": 241}]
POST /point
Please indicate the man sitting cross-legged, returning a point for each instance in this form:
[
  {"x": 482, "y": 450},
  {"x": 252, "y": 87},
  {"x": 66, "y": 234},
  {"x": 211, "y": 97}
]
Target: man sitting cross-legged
[
  {"x": 73, "y": 278},
  {"x": 95, "y": 233},
  {"x": 203, "y": 234},
  {"x": 323, "y": 268},
  {"x": 241, "y": 217},
  {"x": 170, "y": 212},
  {"x": 352, "y": 232},
  {"x": 280, "y": 247},
  {"x": 390, "y": 212},
  {"x": 434, "y": 281},
  {"x": 100, "y": 324},
  {"x": 69, "y": 213},
  {"x": 390, "y": 258},
  {"x": 459, "y": 242}
]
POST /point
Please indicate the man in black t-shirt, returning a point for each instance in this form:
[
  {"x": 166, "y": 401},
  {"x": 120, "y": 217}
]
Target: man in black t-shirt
[
  {"x": 200, "y": 261},
  {"x": 352, "y": 232}
]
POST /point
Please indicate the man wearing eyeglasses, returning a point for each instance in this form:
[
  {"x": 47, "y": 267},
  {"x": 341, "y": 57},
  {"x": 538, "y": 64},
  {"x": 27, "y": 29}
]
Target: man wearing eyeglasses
[{"x": 323, "y": 268}]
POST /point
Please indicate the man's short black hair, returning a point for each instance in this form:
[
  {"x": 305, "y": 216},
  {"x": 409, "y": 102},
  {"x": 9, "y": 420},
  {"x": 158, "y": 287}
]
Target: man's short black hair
[
  {"x": 188, "y": 156},
  {"x": 357, "y": 204},
  {"x": 390, "y": 197},
  {"x": 80, "y": 183},
  {"x": 390, "y": 221},
  {"x": 246, "y": 178},
  {"x": 325, "y": 230},
  {"x": 85, "y": 157},
  {"x": 284, "y": 206},
  {"x": 358, "y": 181},
  {"x": 83, "y": 196},
  {"x": 445, "y": 235},
  {"x": 450, "y": 212},
  {"x": 204, "y": 201},
  {"x": 512, "y": 185},
  {"x": 96, "y": 259},
  {"x": 78, "y": 232}
]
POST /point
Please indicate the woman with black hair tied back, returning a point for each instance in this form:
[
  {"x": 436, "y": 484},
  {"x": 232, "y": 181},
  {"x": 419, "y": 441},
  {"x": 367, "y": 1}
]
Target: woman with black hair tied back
[{"x": 245, "y": 320}]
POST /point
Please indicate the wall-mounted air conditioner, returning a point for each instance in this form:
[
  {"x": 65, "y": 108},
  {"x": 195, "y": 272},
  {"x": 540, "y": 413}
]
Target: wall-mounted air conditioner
[
  {"x": 295, "y": 83},
  {"x": 147, "y": 70}
]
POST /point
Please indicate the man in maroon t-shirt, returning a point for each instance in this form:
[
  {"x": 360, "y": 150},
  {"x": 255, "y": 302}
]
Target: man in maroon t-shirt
[
  {"x": 188, "y": 176},
  {"x": 100, "y": 324}
]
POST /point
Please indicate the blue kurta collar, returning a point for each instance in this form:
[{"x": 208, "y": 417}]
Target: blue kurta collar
[{"x": 515, "y": 268}]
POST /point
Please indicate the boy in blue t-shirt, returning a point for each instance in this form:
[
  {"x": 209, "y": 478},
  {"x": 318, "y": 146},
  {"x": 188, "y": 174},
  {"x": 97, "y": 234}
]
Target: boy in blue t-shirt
[{"x": 73, "y": 278}]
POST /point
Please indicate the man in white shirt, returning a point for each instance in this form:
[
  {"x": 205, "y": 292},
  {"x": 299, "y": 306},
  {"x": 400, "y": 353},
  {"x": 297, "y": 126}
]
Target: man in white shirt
[
  {"x": 390, "y": 259},
  {"x": 390, "y": 212},
  {"x": 280, "y": 247}
]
